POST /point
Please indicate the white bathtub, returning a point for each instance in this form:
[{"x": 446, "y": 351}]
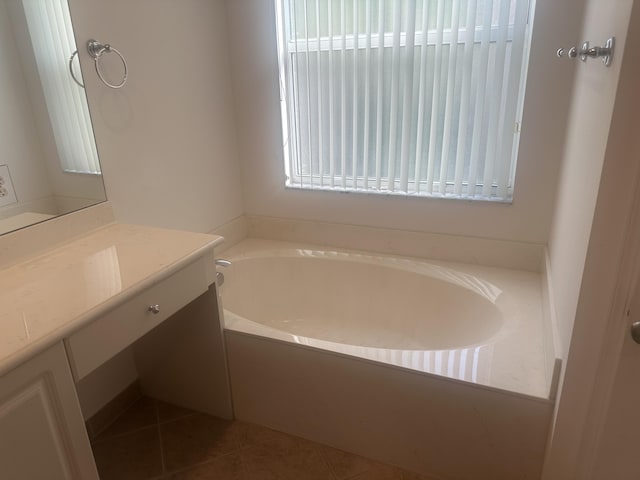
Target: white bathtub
[
  {"x": 477, "y": 324},
  {"x": 415, "y": 363}
]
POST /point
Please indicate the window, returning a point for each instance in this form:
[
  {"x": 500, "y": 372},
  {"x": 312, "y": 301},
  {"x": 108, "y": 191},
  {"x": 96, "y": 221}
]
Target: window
[{"x": 414, "y": 97}]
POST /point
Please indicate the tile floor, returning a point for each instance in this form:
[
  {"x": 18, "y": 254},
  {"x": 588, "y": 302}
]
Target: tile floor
[{"x": 155, "y": 440}]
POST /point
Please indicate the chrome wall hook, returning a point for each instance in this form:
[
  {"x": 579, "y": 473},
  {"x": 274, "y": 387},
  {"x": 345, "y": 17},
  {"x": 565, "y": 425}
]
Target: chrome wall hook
[
  {"x": 571, "y": 52},
  {"x": 605, "y": 52},
  {"x": 587, "y": 51}
]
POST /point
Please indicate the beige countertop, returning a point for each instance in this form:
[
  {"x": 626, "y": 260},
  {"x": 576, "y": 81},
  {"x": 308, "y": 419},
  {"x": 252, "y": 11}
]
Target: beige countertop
[
  {"x": 22, "y": 220},
  {"x": 45, "y": 298}
]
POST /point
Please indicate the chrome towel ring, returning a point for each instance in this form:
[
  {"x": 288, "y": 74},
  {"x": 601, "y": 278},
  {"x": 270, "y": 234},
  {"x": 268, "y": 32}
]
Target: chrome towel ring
[
  {"x": 96, "y": 50},
  {"x": 73, "y": 75}
]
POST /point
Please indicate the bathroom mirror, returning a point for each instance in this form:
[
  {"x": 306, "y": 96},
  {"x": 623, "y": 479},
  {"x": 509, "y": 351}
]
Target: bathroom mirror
[{"x": 48, "y": 157}]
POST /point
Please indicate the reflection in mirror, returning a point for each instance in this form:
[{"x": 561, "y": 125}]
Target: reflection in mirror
[{"x": 48, "y": 159}]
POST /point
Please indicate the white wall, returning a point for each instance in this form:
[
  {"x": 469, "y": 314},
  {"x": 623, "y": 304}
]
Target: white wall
[
  {"x": 590, "y": 118},
  {"x": 254, "y": 57},
  {"x": 21, "y": 148},
  {"x": 587, "y": 137},
  {"x": 583, "y": 254},
  {"x": 166, "y": 140}
]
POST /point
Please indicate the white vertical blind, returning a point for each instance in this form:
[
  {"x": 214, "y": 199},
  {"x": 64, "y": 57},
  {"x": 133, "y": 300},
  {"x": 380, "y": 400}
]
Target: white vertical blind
[
  {"x": 343, "y": 93},
  {"x": 465, "y": 99},
  {"x": 435, "y": 101},
  {"x": 319, "y": 93},
  {"x": 495, "y": 117},
  {"x": 407, "y": 95},
  {"x": 332, "y": 158},
  {"x": 355, "y": 112},
  {"x": 451, "y": 86},
  {"x": 379, "y": 96},
  {"x": 367, "y": 93},
  {"x": 422, "y": 93},
  {"x": 395, "y": 92},
  {"x": 51, "y": 33},
  {"x": 414, "y": 97}
]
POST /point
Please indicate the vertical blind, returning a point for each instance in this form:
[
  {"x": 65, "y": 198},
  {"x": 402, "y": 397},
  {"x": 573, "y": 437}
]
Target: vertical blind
[
  {"x": 51, "y": 33},
  {"x": 419, "y": 97}
]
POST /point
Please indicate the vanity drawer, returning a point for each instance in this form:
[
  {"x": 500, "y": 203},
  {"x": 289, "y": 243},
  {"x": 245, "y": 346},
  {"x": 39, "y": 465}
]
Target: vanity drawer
[{"x": 101, "y": 339}]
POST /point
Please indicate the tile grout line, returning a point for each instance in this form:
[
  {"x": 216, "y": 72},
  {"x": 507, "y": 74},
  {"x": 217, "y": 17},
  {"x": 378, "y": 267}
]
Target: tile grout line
[
  {"x": 197, "y": 464},
  {"x": 162, "y": 460},
  {"x": 115, "y": 419},
  {"x": 326, "y": 461},
  {"x": 166, "y": 472},
  {"x": 171, "y": 420},
  {"x": 241, "y": 458},
  {"x": 122, "y": 434}
]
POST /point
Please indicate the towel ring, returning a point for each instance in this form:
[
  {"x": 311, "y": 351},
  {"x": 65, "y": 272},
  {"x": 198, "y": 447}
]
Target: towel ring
[
  {"x": 96, "y": 50},
  {"x": 73, "y": 75}
]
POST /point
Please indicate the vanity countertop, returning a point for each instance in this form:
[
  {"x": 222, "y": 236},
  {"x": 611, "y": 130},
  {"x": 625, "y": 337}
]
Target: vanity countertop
[{"x": 45, "y": 298}]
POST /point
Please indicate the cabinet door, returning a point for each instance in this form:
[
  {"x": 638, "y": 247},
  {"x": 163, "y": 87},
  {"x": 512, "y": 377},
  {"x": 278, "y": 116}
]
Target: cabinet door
[{"x": 42, "y": 433}]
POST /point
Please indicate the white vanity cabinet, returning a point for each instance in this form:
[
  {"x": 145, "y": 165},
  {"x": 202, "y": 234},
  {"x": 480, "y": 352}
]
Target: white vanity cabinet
[
  {"x": 96, "y": 343},
  {"x": 68, "y": 310},
  {"x": 42, "y": 433}
]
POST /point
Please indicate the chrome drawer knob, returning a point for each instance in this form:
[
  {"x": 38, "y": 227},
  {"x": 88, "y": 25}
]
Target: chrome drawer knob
[
  {"x": 635, "y": 331},
  {"x": 155, "y": 309}
]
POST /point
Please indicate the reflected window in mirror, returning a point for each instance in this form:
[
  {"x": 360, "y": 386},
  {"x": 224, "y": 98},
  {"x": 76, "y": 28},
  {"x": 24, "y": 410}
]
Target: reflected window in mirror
[
  {"x": 46, "y": 135},
  {"x": 51, "y": 33}
]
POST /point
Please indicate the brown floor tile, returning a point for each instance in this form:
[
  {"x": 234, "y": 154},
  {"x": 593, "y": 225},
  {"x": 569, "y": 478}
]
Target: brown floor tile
[
  {"x": 415, "y": 476},
  {"x": 227, "y": 467},
  {"x": 354, "y": 467},
  {"x": 106, "y": 416},
  {"x": 132, "y": 456},
  {"x": 168, "y": 412},
  {"x": 385, "y": 472},
  {"x": 201, "y": 447},
  {"x": 286, "y": 458},
  {"x": 346, "y": 465},
  {"x": 140, "y": 415},
  {"x": 196, "y": 439},
  {"x": 250, "y": 435},
  {"x": 380, "y": 472}
]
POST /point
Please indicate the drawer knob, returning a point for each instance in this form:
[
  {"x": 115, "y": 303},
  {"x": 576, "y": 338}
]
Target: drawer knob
[{"x": 155, "y": 309}]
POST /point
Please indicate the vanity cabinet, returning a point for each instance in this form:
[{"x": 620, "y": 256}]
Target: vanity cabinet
[
  {"x": 42, "y": 433},
  {"x": 68, "y": 310},
  {"x": 114, "y": 331}
]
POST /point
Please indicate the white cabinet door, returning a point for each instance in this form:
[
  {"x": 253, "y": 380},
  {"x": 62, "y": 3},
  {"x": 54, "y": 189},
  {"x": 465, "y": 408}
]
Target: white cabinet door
[{"x": 42, "y": 433}]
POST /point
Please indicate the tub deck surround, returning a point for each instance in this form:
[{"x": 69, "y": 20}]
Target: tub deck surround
[
  {"x": 470, "y": 323},
  {"x": 405, "y": 243},
  {"x": 53, "y": 294}
]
